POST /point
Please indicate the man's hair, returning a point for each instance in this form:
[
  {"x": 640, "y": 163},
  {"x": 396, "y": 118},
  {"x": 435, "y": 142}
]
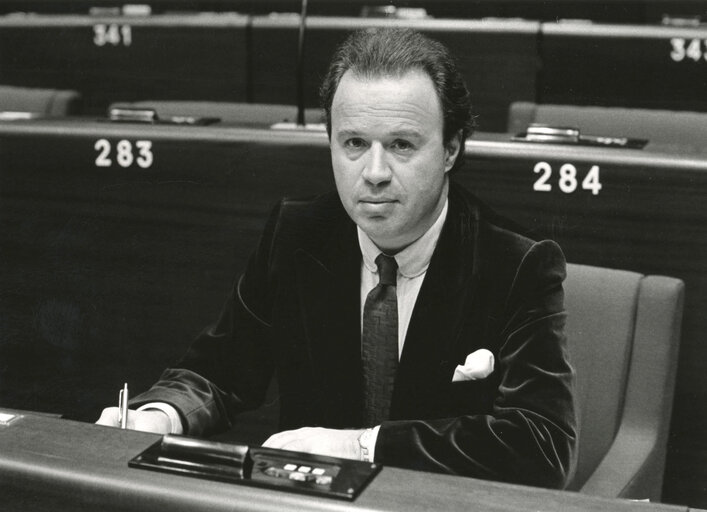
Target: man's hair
[{"x": 392, "y": 52}]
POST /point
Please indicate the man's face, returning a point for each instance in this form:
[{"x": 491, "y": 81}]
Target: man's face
[{"x": 388, "y": 154}]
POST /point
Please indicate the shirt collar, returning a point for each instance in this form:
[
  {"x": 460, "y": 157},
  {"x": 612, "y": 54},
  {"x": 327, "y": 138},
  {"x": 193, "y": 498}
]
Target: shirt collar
[{"x": 415, "y": 258}]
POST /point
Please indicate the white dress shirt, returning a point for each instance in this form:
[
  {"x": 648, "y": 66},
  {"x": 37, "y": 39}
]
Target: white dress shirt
[
  {"x": 412, "y": 261},
  {"x": 412, "y": 267}
]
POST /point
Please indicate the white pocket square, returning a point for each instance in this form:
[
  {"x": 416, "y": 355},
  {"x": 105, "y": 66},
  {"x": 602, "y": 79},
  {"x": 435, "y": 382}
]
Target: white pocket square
[{"x": 478, "y": 365}]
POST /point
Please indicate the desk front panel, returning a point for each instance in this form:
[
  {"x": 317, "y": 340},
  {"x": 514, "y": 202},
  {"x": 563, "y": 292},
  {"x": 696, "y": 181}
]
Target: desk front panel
[
  {"x": 624, "y": 65},
  {"x": 498, "y": 59},
  {"x": 120, "y": 243},
  {"x": 127, "y": 58}
]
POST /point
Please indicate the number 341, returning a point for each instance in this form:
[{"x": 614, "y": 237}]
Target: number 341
[{"x": 568, "y": 180}]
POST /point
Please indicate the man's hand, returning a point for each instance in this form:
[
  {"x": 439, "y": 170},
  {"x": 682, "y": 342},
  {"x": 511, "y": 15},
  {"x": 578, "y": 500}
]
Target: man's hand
[
  {"x": 150, "y": 420},
  {"x": 324, "y": 441}
]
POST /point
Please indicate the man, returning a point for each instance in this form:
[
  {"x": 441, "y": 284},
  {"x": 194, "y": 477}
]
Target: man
[{"x": 321, "y": 308}]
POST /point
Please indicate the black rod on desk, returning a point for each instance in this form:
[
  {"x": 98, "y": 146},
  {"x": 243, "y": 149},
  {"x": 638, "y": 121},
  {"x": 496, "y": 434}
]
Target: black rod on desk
[{"x": 300, "y": 65}]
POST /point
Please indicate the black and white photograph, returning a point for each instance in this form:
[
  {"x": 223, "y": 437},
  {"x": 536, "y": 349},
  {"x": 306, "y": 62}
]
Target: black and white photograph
[{"x": 392, "y": 255}]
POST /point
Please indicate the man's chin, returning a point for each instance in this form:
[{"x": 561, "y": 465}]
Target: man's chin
[{"x": 382, "y": 234}]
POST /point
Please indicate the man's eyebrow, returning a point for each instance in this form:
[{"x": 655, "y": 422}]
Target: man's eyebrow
[
  {"x": 348, "y": 133},
  {"x": 403, "y": 133},
  {"x": 406, "y": 133}
]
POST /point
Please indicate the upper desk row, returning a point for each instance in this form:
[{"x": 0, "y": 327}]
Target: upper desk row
[
  {"x": 619, "y": 11},
  {"x": 229, "y": 57}
]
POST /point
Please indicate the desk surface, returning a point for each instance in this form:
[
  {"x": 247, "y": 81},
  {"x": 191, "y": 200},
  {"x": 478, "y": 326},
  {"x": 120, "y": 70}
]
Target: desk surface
[{"x": 46, "y": 461}]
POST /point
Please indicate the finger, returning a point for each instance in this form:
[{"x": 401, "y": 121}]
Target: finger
[
  {"x": 149, "y": 421},
  {"x": 278, "y": 440},
  {"x": 295, "y": 445},
  {"x": 298, "y": 445},
  {"x": 109, "y": 417},
  {"x": 286, "y": 437}
]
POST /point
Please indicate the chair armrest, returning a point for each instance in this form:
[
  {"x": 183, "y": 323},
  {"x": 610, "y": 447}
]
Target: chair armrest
[{"x": 633, "y": 466}]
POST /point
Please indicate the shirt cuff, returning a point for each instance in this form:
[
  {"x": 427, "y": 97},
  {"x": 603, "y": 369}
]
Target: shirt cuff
[
  {"x": 374, "y": 439},
  {"x": 174, "y": 419},
  {"x": 367, "y": 444}
]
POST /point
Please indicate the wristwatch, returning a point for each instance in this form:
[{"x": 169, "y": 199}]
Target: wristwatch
[{"x": 365, "y": 442}]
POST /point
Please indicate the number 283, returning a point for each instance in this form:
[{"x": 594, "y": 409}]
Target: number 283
[{"x": 125, "y": 155}]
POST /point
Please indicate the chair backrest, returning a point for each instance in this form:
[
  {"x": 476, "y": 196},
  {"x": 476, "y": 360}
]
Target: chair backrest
[
  {"x": 659, "y": 126},
  {"x": 622, "y": 362},
  {"x": 46, "y": 102}
]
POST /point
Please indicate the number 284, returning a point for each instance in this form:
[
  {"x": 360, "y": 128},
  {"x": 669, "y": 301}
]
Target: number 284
[{"x": 568, "y": 179}]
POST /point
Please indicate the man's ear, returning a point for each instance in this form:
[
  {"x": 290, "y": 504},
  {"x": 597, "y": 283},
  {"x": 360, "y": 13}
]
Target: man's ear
[{"x": 451, "y": 150}]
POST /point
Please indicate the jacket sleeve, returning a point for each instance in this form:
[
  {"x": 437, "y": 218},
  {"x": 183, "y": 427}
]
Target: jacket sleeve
[
  {"x": 228, "y": 367},
  {"x": 529, "y": 437}
]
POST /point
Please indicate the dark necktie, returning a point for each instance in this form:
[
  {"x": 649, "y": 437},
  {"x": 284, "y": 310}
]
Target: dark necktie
[{"x": 379, "y": 342}]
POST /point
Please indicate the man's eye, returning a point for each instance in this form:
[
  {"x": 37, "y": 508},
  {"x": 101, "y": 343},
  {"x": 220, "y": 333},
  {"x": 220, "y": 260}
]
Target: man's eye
[
  {"x": 354, "y": 143},
  {"x": 402, "y": 145}
]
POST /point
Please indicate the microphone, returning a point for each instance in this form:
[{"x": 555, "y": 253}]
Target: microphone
[{"x": 300, "y": 65}]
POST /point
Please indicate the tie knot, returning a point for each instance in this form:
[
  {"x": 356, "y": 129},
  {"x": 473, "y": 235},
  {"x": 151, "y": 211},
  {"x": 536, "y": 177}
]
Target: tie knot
[{"x": 387, "y": 269}]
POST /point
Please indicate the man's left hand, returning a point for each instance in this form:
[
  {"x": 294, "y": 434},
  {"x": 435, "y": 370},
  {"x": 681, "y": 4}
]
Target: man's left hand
[{"x": 324, "y": 441}]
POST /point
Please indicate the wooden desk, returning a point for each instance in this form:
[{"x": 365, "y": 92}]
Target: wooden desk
[
  {"x": 635, "y": 66},
  {"x": 52, "y": 464},
  {"x": 498, "y": 58},
  {"x": 238, "y": 58},
  {"x": 105, "y": 262},
  {"x": 252, "y": 58},
  {"x": 127, "y": 58}
]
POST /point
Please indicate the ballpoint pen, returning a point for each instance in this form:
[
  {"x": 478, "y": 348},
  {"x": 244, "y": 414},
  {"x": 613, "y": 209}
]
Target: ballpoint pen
[{"x": 123, "y": 406}]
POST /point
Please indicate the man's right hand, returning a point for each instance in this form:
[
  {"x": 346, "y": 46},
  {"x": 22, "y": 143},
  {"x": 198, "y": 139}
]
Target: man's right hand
[{"x": 151, "y": 420}]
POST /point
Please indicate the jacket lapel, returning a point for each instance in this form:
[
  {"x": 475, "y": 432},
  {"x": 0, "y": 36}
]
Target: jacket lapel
[
  {"x": 439, "y": 317},
  {"x": 328, "y": 285}
]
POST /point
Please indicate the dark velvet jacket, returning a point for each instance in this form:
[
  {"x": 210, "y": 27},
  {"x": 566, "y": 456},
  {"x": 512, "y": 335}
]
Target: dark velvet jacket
[{"x": 295, "y": 311}]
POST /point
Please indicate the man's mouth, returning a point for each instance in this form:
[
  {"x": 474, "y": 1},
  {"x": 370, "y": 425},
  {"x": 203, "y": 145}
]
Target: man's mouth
[{"x": 376, "y": 200}]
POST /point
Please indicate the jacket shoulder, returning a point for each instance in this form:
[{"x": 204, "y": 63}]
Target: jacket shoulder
[
  {"x": 488, "y": 225},
  {"x": 502, "y": 244},
  {"x": 306, "y": 223}
]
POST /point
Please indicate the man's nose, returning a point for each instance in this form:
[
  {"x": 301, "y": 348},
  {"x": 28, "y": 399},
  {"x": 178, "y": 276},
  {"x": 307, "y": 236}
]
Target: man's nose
[{"x": 377, "y": 170}]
